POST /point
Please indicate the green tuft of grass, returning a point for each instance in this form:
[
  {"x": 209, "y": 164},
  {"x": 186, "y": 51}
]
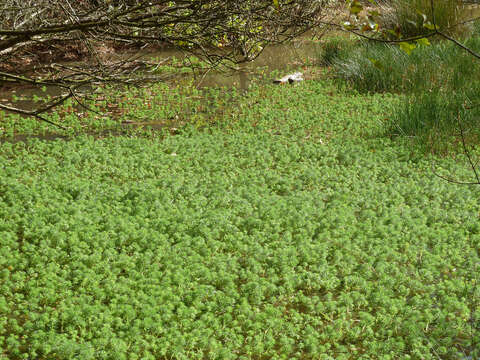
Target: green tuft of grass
[
  {"x": 437, "y": 84},
  {"x": 439, "y": 119},
  {"x": 407, "y": 17},
  {"x": 373, "y": 67},
  {"x": 332, "y": 49}
]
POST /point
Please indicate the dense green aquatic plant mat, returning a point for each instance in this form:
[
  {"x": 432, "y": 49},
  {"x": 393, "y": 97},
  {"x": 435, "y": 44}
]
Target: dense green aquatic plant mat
[
  {"x": 163, "y": 107},
  {"x": 288, "y": 231},
  {"x": 116, "y": 110}
]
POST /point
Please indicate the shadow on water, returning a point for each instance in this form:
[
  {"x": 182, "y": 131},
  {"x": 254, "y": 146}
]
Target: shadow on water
[
  {"x": 120, "y": 130},
  {"x": 24, "y": 138}
]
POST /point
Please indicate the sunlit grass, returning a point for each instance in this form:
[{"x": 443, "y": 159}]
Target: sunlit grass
[{"x": 437, "y": 86}]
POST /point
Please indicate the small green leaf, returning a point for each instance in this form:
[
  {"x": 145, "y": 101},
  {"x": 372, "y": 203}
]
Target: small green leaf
[
  {"x": 428, "y": 25},
  {"x": 275, "y": 2},
  {"x": 407, "y": 47},
  {"x": 423, "y": 41}
]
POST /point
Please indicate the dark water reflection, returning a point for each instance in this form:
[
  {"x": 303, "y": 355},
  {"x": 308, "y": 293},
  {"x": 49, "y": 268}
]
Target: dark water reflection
[{"x": 282, "y": 57}]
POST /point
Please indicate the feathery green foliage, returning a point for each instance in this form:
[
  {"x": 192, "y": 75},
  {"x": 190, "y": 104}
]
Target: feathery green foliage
[{"x": 288, "y": 230}]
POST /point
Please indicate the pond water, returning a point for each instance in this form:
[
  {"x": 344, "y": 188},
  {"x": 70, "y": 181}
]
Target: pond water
[{"x": 284, "y": 57}]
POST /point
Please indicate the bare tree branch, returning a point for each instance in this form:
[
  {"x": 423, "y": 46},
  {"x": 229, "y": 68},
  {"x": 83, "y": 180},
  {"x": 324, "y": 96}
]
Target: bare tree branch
[
  {"x": 466, "y": 151},
  {"x": 218, "y": 31},
  {"x": 30, "y": 113}
]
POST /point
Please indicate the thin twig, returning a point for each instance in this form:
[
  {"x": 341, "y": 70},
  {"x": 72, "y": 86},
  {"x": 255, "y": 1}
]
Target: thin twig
[
  {"x": 453, "y": 181},
  {"x": 456, "y": 42},
  {"x": 432, "y": 8},
  {"x": 466, "y": 151},
  {"x": 30, "y": 113}
]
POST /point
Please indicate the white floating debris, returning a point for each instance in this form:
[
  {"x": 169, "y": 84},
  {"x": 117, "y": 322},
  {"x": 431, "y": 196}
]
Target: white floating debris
[{"x": 295, "y": 77}]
